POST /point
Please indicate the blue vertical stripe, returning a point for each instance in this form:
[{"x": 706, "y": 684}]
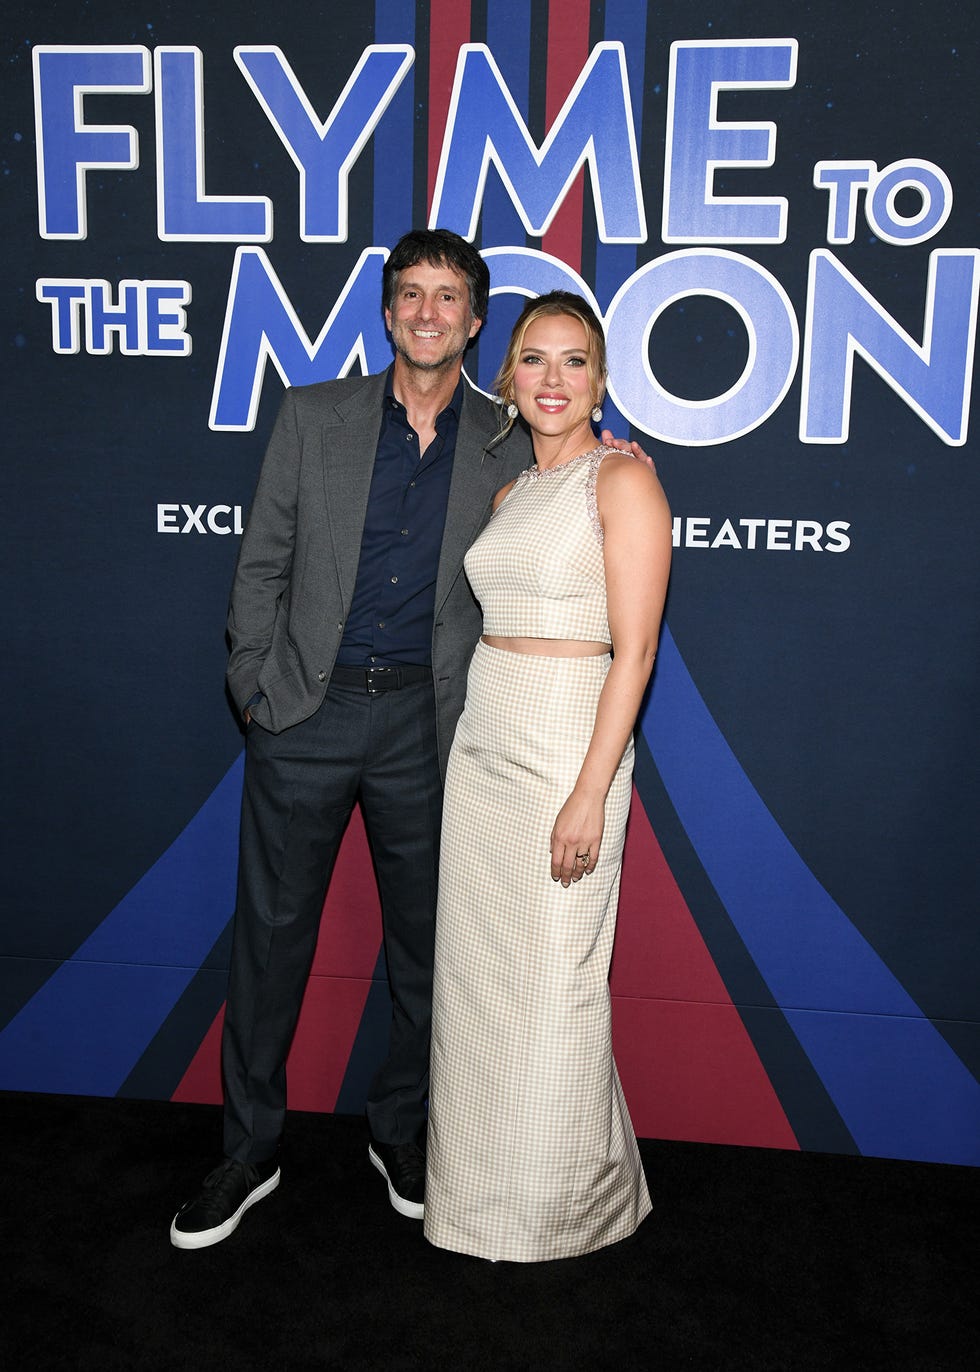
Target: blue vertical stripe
[
  {"x": 509, "y": 39},
  {"x": 394, "y": 136},
  {"x": 626, "y": 23}
]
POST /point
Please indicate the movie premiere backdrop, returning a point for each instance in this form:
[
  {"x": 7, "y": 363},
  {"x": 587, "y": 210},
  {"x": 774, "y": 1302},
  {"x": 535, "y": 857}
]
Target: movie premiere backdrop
[{"x": 774, "y": 210}]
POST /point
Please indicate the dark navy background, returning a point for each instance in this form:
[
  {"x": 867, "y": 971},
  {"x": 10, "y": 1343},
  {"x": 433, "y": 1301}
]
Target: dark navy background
[{"x": 844, "y": 684}]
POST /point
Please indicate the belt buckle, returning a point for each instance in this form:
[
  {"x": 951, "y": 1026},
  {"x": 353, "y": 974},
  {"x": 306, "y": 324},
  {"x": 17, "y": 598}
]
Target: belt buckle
[{"x": 381, "y": 673}]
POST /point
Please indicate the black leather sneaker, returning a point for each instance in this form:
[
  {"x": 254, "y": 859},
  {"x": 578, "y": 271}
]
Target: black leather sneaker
[
  {"x": 227, "y": 1193},
  {"x": 403, "y": 1167}
]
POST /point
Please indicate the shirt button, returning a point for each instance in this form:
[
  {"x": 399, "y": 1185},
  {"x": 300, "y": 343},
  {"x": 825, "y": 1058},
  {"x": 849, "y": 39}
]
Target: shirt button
[
  {"x": 409, "y": 437},
  {"x": 321, "y": 676},
  {"x": 394, "y": 581},
  {"x": 404, "y": 531},
  {"x": 381, "y": 623}
]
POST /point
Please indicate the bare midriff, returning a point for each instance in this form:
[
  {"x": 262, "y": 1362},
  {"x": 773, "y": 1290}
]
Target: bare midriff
[{"x": 548, "y": 647}]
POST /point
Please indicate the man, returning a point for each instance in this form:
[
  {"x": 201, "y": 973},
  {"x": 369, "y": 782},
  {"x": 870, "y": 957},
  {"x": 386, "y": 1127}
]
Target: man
[{"x": 351, "y": 628}]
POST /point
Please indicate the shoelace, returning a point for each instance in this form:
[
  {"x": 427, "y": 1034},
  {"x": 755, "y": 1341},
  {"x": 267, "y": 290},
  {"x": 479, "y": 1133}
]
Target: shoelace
[{"x": 220, "y": 1185}]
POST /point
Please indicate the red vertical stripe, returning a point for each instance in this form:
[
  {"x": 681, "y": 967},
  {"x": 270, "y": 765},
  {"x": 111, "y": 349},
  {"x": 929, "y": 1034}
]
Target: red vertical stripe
[
  {"x": 568, "y": 52},
  {"x": 449, "y": 29}
]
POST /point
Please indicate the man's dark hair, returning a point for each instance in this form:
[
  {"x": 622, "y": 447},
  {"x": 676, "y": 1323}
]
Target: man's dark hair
[{"x": 439, "y": 248}]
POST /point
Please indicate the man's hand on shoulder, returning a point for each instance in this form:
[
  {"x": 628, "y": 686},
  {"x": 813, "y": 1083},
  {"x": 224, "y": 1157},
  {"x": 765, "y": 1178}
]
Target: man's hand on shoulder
[{"x": 625, "y": 445}]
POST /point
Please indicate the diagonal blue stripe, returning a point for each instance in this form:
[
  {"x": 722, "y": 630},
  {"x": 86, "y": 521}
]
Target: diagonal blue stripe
[
  {"x": 896, "y": 1082},
  {"x": 93, "y": 1019}
]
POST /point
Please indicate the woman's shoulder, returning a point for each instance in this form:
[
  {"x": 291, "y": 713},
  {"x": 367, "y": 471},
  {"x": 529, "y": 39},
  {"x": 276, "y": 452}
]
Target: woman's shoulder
[
  {"x": 618, "y": 468},
  {"x": 628, "y": 487}
]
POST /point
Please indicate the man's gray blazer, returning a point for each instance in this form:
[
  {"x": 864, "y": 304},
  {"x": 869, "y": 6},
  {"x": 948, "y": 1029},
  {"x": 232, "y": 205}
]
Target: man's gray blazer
[{"x": 299, "y": 554}]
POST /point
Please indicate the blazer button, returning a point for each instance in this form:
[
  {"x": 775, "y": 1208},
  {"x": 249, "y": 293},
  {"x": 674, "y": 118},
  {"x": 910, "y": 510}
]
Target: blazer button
[{"x": 321, "y": 676}]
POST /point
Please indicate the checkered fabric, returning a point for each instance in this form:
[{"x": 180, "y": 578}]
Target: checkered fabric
[
  {"x": 537, "y": 567},
  {"x": 531, "y": 1153}
]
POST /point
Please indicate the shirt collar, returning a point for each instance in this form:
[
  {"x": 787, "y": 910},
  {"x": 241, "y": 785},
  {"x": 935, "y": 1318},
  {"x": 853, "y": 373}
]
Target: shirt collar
[{"x": 455, "y": 405}]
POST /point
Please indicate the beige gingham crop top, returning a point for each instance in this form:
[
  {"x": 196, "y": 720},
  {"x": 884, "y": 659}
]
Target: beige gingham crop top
[{"x": 537, "y": 568}]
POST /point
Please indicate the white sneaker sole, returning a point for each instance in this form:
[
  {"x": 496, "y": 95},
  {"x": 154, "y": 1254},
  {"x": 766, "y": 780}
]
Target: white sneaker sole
[
  {"x": 204, "y": 1238},
  {"x": 413, "y": 1210}
]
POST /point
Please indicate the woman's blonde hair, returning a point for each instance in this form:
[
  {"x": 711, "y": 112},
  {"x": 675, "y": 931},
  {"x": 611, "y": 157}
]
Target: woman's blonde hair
[{"x": 560, "y": 303}]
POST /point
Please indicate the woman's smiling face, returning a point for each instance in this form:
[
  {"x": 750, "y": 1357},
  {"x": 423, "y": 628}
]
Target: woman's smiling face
[{"x": 552, "y": 386}]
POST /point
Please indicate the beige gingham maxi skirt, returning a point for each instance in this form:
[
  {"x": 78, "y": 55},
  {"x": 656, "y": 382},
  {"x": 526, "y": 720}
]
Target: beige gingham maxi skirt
[{"x": 531, "y": 1153}]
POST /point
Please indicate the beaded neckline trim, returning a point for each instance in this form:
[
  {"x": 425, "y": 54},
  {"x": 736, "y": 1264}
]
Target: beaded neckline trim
[{"x": 537, "y": 473}]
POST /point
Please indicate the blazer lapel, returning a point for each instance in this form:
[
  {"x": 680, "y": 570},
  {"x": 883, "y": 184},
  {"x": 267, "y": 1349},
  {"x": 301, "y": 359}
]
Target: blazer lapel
[
  {"x": 477, "y": 476},
  {"x": 349, "y": 434}
]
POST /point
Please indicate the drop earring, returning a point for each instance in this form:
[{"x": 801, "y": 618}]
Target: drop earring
[
  {"x": 512, "y": 411},
  {"x": 596, "y": 414}
]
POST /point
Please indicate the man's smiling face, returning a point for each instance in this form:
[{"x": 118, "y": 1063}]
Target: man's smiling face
[{"x": 431, "y": 320}]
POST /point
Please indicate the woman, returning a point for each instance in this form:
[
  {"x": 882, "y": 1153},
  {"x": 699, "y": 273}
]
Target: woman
[{"x": 531, "y": 1154}]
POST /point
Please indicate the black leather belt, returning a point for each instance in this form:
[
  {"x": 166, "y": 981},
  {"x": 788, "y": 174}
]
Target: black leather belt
[{"x": 376, "y": 680}]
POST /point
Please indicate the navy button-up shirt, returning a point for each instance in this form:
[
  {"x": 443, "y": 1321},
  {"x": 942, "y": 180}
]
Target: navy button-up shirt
[{"x": 390, "y": 620}]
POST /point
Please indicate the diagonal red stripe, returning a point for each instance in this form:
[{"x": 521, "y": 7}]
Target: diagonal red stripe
[
  {"x": 688, "y": 1066},
  {"x": 343, "y": 965}
]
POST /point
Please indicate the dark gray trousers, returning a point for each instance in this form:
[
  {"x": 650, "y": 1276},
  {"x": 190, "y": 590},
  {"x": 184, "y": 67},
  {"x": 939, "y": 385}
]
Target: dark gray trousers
[{"x": 300, "y": 788}]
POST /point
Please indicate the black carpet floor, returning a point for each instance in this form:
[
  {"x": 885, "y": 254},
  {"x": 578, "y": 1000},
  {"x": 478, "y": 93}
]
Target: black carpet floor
[{"x": 751, "y": 1260}]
